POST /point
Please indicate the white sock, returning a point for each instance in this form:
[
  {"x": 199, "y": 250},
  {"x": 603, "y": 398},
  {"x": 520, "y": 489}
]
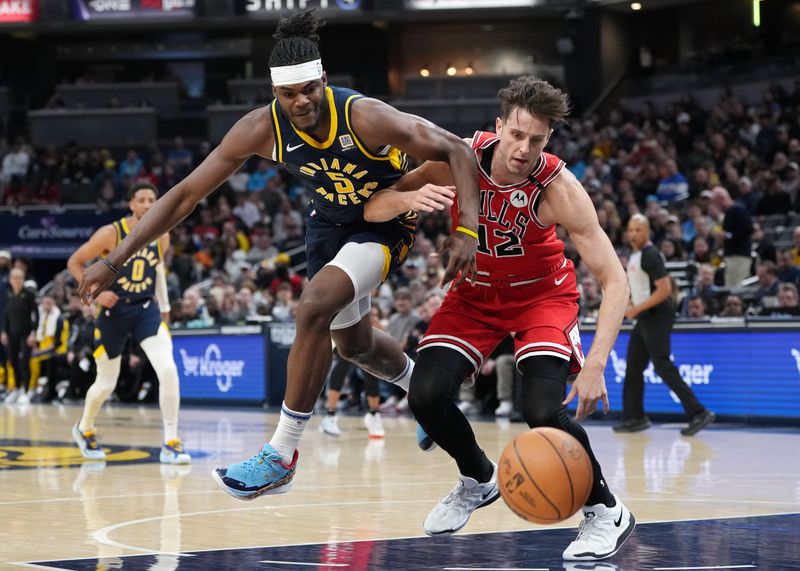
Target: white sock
[
  {"x": 403, "y": 379},
  {"x": 290, "y": 429}
]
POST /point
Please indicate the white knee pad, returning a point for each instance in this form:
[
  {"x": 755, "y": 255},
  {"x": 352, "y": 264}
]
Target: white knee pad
[
  {"x": 367, "y": 266},
  {"x": 158, "y": 349}
]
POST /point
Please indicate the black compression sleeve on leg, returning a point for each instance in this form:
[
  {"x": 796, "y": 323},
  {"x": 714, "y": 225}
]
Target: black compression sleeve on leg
[
  {"x": 339, "y": 373},
  {"x": 543, "y": 385},
  {"x": 437, "y": 376}
]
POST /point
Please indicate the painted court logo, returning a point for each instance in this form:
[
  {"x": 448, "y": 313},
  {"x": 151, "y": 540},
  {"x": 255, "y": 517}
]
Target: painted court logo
[
  {"x": 20, "y": 454},
  {"x": 212, "y": 365}
]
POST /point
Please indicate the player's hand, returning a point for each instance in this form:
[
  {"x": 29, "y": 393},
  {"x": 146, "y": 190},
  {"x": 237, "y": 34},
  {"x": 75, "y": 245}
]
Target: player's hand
[
  {"x": 107, "y": 299},
  {"x": 31, "y": 340},
  {"x": 590, "y": 386},
  {"x": 631, "y": 312},
  {"x": 4, "y": 338},
  {"x": 165, "y": 317},
  {"x": 462, "y": 249},
  {"x": 431, "y": 197},
  {"x": 96, "y": 279}
]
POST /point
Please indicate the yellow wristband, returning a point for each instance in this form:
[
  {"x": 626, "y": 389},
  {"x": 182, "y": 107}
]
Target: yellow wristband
[{"x": 467, "y": 231}]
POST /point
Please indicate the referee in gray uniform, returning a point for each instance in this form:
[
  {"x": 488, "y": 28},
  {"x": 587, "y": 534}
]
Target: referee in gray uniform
[{"x": 652, "y": 307}]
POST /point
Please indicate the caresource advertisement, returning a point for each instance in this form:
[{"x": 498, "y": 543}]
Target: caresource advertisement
[
  {"x": 742, "y": 373},
  {"x": 21, "y": 11},
  {"x": 220, "y": 367},
  {"x": 126, "y": 9}
]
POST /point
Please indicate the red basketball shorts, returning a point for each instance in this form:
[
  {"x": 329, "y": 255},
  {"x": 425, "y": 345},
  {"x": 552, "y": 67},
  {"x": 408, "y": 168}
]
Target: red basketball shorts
[{"x": 542, "y": 317}]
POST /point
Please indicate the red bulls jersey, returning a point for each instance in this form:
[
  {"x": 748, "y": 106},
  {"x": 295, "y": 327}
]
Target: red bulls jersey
[{"x": 513, "y": 245}]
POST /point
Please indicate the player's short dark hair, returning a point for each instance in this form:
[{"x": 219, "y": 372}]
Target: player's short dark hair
[
  {"x": 137, "y": 186},
  {"x": 298, "y": 40},
  {"x": 537, "y": 97}
]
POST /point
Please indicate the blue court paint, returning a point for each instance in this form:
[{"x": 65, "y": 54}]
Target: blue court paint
[{"x": 764, "y": 542}]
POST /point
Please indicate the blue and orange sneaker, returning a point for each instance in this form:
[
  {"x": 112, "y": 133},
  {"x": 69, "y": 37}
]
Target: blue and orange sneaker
[{"x": 264, "y": 473}]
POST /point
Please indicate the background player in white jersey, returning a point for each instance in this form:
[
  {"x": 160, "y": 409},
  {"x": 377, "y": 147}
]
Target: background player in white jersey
[
  {"x": 129, "y": 307},
  {"x": 527, "y": 288}
]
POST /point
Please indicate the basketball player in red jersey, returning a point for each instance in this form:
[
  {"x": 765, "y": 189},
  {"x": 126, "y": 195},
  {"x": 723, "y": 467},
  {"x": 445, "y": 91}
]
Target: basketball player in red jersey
[{"x": 527, "y": 288}]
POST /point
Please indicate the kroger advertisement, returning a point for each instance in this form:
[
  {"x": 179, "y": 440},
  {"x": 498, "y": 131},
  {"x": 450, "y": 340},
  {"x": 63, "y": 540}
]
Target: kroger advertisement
[
  {"x": 743, "y": 373},
  {"x": 221, "y": 367}
]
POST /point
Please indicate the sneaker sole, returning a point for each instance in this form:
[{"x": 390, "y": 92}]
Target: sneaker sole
[
  {"x": 173, "y": 462},
  {"x": 620, "y": 542},
  {"x": 247, "y": 496},
  {"x": 488, "y": 501}
]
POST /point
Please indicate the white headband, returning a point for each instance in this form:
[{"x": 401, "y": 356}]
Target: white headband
[{"x": 297, "y": 73}]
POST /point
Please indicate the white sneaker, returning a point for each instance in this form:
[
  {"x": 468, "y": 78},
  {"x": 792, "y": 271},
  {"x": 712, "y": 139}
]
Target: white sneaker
[
  {"x": 329, "y": 425},
  {"x": 12, "y": 397},
  {"x": 453, "y": 511},
  {"x": 172, "y": 452},
  {"x": 505, "y": 408},
  {"x": 467, "y": 407},
  {"x": 24, "y": 398},
  {"x": 388, "y": 404},
  {"x": 601, "y": 533},
  {"x": 374, "y": 425}
]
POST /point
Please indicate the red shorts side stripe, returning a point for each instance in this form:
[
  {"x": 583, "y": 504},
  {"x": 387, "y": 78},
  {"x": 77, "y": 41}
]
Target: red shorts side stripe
[{"x": 471, "y": 353}]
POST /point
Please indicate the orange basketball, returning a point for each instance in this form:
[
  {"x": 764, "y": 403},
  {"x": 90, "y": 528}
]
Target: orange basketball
[{"x": 545, "y": 475}]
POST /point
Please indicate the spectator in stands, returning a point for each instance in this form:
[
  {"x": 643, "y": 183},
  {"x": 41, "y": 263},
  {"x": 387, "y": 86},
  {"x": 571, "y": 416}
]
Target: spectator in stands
[
  {"x": 285, "y": 303},
  {"x": 262, "y": 175},
  {"x": 788, "y": 272},
  {"x": 737, "y": 232},
  {"x": 261, "y": 249},
  {"x": 16, "y": 162},
  {"x": 673, "y": 186},
  {"x": 696, "y": 308},
  {"x": 733, "y": 307},
  {"x": 796, "y": 246},
  {"x": 705, "y": 289},
  {"x": 747, "y": 195},
  {"x": 768, "y": 284},
  {"x": 180, "y": 158},
  {"x": 15, "y": 192},
  {"x": 591, "y": 297},
  {"x": 47, "y": 192},
  {"x": 672, "y": 250},
  {"x": 79, "y": 358},
  {"x": 246, "y": 209},
  {"x": 701, "y": 252},
  {"x": 762, "y": 245},
  {"x": 788, "y": 297},
  {"x": 206, "y": 226},
  {"x": 775, "y": 199},
  {"x": 132, "y": 167}
]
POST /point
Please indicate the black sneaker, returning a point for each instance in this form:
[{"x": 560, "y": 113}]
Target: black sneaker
[
  {"x": 633, "y": 425},
  {"x": 699, "y": 422}
]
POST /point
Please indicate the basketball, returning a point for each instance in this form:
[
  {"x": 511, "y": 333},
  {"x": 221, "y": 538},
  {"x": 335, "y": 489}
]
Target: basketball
[{"x": 545, "y": 475}]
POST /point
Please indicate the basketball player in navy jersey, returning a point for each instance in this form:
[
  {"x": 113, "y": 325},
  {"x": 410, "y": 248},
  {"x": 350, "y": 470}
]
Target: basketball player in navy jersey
[
  {"x": 526, "y": 288},
  {"x": 131, "y": 306},
  {"x": 344, "y": 147}
]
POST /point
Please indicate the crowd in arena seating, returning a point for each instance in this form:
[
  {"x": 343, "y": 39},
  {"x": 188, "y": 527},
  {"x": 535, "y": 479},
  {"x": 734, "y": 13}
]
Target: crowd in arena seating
[{"x": 239, "y": 258}]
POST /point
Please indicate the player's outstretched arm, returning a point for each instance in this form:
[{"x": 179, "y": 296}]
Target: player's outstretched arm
[
  {"x": 379, "y": 124},
  {"x": 425, "y": 189},
  {"x": 251, "y": 135},
  {"x": 567, "y": 203}
]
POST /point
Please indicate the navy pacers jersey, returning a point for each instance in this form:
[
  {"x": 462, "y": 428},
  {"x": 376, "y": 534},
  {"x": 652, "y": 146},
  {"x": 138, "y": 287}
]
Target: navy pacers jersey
[
  {"x": 340, "y": 172},
  {"x": 136, "y": 280}
]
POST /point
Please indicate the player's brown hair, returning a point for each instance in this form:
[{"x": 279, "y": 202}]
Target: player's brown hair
[{"x": 537, "y": 97}]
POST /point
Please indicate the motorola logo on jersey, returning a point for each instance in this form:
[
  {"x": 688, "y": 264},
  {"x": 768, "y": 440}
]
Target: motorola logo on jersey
[
  {"x": 347, "y": 186},
  {"x": 519, "y": 199}
]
